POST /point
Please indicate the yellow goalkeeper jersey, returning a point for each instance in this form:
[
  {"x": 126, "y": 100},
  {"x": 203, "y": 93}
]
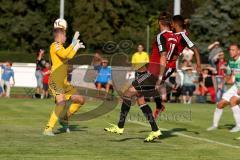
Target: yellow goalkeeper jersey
[{"x": 59, "y": 57}]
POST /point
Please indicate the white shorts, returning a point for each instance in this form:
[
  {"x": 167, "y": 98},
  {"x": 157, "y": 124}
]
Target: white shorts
[{"x": 230, "y": 93}]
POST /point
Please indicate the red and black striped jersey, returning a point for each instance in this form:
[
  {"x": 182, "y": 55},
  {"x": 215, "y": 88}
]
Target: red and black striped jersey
[
  {"x": 183, "y": 41},
  {"x": 165, "y": 41}
]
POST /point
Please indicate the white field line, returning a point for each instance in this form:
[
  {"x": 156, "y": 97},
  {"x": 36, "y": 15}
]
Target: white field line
[{"x": 191, "y": 137}]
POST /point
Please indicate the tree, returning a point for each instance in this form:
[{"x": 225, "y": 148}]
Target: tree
[
  {"x": 109, "y": 20},
  {"x": 216, "y": 20}
]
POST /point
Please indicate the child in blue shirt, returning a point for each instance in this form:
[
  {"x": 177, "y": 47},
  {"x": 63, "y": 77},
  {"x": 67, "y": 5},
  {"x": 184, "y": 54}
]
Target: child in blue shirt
[{"x": 7, "y": 74}]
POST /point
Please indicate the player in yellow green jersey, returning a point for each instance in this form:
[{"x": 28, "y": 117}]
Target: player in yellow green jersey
[{"x": 61, "y": 89}]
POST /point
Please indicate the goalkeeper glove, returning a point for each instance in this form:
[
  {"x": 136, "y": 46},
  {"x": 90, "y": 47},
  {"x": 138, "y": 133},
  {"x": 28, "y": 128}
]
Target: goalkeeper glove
[
  {"x": 78, "y": 46},
  {"x": 75, "y": 38}
]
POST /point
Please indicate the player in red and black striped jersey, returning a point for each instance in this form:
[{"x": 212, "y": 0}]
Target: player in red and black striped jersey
[
  {"x": 167, "y": 48},
  {"x": 183, "y": 39},
  {"x": 163, "y": 57}
]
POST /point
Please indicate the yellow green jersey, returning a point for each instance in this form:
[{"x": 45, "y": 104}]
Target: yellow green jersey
[{"x": 59, "y": 57}]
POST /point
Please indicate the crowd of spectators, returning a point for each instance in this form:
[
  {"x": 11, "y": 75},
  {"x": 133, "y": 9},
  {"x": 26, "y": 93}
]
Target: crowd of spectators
[{"x": 181, "y": 86}]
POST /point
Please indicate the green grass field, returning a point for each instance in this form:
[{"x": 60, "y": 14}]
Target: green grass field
[{"x": 184, "y": 134}]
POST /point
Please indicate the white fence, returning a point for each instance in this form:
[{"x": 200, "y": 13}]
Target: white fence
[{"x": 25, "y": 75}]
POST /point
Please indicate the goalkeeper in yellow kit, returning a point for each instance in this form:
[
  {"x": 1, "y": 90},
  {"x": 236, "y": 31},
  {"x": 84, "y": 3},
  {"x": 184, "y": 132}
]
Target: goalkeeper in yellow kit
[{"x": 61, "y": 89}]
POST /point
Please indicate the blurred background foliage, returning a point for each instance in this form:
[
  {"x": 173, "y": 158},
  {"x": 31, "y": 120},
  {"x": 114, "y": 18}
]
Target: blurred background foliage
[{"x": 26, "y": 25}]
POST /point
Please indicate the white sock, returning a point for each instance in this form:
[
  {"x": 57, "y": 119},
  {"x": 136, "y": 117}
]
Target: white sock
[
  {"x": 216, "y": 116},
  {"x": 236, "y": 114}
]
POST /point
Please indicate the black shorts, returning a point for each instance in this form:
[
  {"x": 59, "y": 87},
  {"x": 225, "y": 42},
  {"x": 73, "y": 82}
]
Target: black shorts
[
  {"x": 145, "y": 84},
  {"x": 45, "y": 86},
  {"x": 188, "y": 90}
]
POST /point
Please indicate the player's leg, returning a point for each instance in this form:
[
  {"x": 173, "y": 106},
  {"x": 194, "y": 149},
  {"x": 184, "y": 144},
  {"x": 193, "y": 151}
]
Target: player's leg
[
  {"x": 218, "y": 113},
  {"x": 56, "y": 114},
  {"x": 234, "y": 103},
  {"x": 160, "y": 107},
  {"x": 147, "y": 111},
  {"x": 219, "y": 110},
  {"x": 77, "y": 101},
  {"x": 125, "y": 108}
]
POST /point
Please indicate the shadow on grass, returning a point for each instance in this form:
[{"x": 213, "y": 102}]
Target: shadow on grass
[
  {"x": 227, "y": 126},
  {"x": 133, "y": 138},
  {"x": 73, "y": 128},
  {"x": 170, "y": 133}
]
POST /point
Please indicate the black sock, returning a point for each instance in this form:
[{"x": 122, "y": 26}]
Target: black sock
[
  {"x": 158, "y": 102},
  {"x": 124, "y": 111},
  {"x": 147, "y": 111}
]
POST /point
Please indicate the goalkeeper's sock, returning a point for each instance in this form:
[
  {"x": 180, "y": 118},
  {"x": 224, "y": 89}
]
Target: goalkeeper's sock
[
  {"x": 74, "y": 107},
  {"x": 124, "y": 111},
  {"x": 147, "y": 111},
  {"x": 54, "y": 117}
]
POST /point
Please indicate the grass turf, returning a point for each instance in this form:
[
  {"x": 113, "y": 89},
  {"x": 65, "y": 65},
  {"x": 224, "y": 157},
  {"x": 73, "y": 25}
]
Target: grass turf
[{"x": 22, "y": 122}]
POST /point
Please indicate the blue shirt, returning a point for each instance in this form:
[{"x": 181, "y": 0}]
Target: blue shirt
[
  {"x": 104, "y": 74},
  {"x": 7, "y": 73}
]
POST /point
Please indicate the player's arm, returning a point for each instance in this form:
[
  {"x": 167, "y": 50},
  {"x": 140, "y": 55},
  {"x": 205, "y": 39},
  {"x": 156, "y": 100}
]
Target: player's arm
[
  {"x": 62, "y": 52},
  {"x": 191, "y": 46},
  {"x": 163, "y": 63},
  {"x": 163, "y": 55},
  {"x": 197, "y": 58},
  {"x": 70, "y": 52}
]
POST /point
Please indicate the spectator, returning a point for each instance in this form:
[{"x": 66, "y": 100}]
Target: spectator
[
  {"x": 7, "y": 74},
  {"x": 207, "y": 83},
  {"x": 46, "y": 73},
  {"x": 185, "y": 63},
  {"x": 104, "y": 78},
  {"x": 40, "y": 62},
  {"x": 220, "y": 82},
  {"x": 215, "y": 50},
  {"x": 140, "y": 59},
  {"x": 189, "y": 80},
  {"x": 97, "y": 59}
]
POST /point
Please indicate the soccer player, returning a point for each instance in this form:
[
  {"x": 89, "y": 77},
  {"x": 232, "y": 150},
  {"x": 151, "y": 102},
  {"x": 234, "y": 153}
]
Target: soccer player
[
  {"x": 140, "y": 62},
  {"x": 169, "y": 62},
  {"x": 232, "y": 96},
  {"x": 143, "y": 82},
  {"x": 163, "y": 51},
  {"x": 184, "y": 41},
  {"x": 60, "y": 88}
]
